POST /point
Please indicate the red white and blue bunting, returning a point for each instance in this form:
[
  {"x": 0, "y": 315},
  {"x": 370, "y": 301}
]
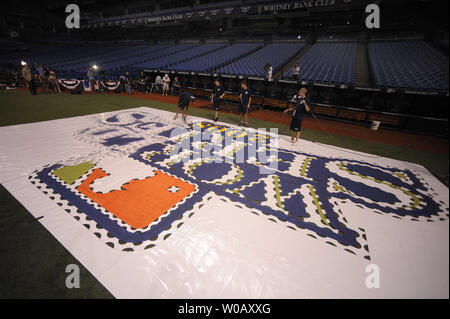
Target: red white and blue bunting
[
  {"x": 228, "y": 10},
  {"x": 70, "y": 84},
  {"x": 110, "y": 85}
]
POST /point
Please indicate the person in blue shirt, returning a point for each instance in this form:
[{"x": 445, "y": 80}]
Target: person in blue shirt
[
  {"x": 183, "y": 104},
  {"x": 40, "y": 72},
  {"x": 216, "y": 97},
  {"x": 245, "y": 98},
  {"x": 300, "y": 107},
  {"x": 91, "y": 78}
]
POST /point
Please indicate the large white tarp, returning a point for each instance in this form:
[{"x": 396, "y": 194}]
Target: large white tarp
[{"x": 154, "y": 212}]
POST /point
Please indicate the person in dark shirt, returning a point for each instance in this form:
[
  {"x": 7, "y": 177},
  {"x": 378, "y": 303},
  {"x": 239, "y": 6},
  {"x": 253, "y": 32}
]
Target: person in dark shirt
[
  {"x": 29, "y": 78},
  {"x": 127, "y": 83},
  {"x": 46, "y": 73},
  {"x": 245, "y": 97},
  {"x": 216, "y": 97},
  {"x": 183, "y": 104},
  {"x": 53, "y": 82},
  {"x": 139, "y": 83},
  {"x": 300, "y": 107},
  {"x": 148, "y": 84},
  {"x": 176, "y": 86}
]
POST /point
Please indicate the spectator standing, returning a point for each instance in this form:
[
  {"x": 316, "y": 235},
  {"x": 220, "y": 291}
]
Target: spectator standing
[
  {"x": 45, "y": 73},
  {"x": 141, "y": 82},
  {"x": 127, "y": 83},
  {"x": 269, "y": 70},
  {"x": 296, "y": 72},
  {"x": 148, "y": 84},
  {"x": 53, "y": 82},
  {"x": 29, "y": 78},
  {"x": 91, "y": 78},
  {"x": 176, "y": 86},
  {"x": 121, "y": 83},
  {"x": 158, "y": 83},
  {"x": 165, "y": 84},
  {"x": 40, "y": 72}
]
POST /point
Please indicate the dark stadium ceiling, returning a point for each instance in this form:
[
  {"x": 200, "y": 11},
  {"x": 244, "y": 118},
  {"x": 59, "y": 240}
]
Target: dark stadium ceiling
[
  {"x": 51, "y": 14},
  {"x": 94, "y": 7}
]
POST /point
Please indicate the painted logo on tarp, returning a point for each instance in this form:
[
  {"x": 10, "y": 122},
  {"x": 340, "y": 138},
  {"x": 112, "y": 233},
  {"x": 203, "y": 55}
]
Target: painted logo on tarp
[{"x": 150, "y": 178}]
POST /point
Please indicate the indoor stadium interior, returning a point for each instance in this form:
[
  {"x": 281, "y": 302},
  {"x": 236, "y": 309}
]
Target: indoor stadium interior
[{"x": 349, "y": 99}]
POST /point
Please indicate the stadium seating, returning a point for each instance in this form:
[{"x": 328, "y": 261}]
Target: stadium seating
[
  {"x": 62, "y": 59},
  {"x": 187, "y": 51},
  {"x": 217, "y": 58},
  {"x": 114, "y": 53},
  {"x": 276, "y": 53},
  {"x": 34, "y": 53},
  {"x": 408, "y": 64},
  {"x": 142, "y": 54},
  {"x": 328, "y": 62}
]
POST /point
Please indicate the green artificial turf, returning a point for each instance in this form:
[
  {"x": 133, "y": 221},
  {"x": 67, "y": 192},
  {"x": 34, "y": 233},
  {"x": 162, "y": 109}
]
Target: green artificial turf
[{"x": 33, "y": 262}]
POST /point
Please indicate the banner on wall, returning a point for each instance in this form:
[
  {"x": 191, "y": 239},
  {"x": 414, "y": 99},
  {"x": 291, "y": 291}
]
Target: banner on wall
[
  {"x": 265, "y": 8},
  {"x": 228, "y": 10},
  {"x": 172, "y": 17},
  {"x": 110, "y": 85},
  {"x": 70, "y": 84},
  {"x": 297, "y": 5},
  {"x": 87, "y": 86}
]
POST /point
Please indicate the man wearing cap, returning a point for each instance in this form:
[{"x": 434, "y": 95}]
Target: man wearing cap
[
  {"x": 165, "y": 83},
  {"x": 183, "y": 104}
]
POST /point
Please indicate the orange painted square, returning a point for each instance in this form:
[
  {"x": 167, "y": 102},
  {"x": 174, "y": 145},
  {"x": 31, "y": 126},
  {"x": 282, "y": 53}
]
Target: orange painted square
[{"x": 139, "y": 202}]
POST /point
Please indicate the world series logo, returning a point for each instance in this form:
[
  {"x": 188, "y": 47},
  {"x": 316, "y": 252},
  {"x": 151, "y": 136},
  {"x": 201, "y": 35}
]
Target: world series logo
[{"x": 148, "y": 179}]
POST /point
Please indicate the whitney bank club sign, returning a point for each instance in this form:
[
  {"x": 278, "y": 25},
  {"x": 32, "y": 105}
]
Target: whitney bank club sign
[
  {"x": 297, "y": 5},
  {"x": 260, "y": 9}
]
